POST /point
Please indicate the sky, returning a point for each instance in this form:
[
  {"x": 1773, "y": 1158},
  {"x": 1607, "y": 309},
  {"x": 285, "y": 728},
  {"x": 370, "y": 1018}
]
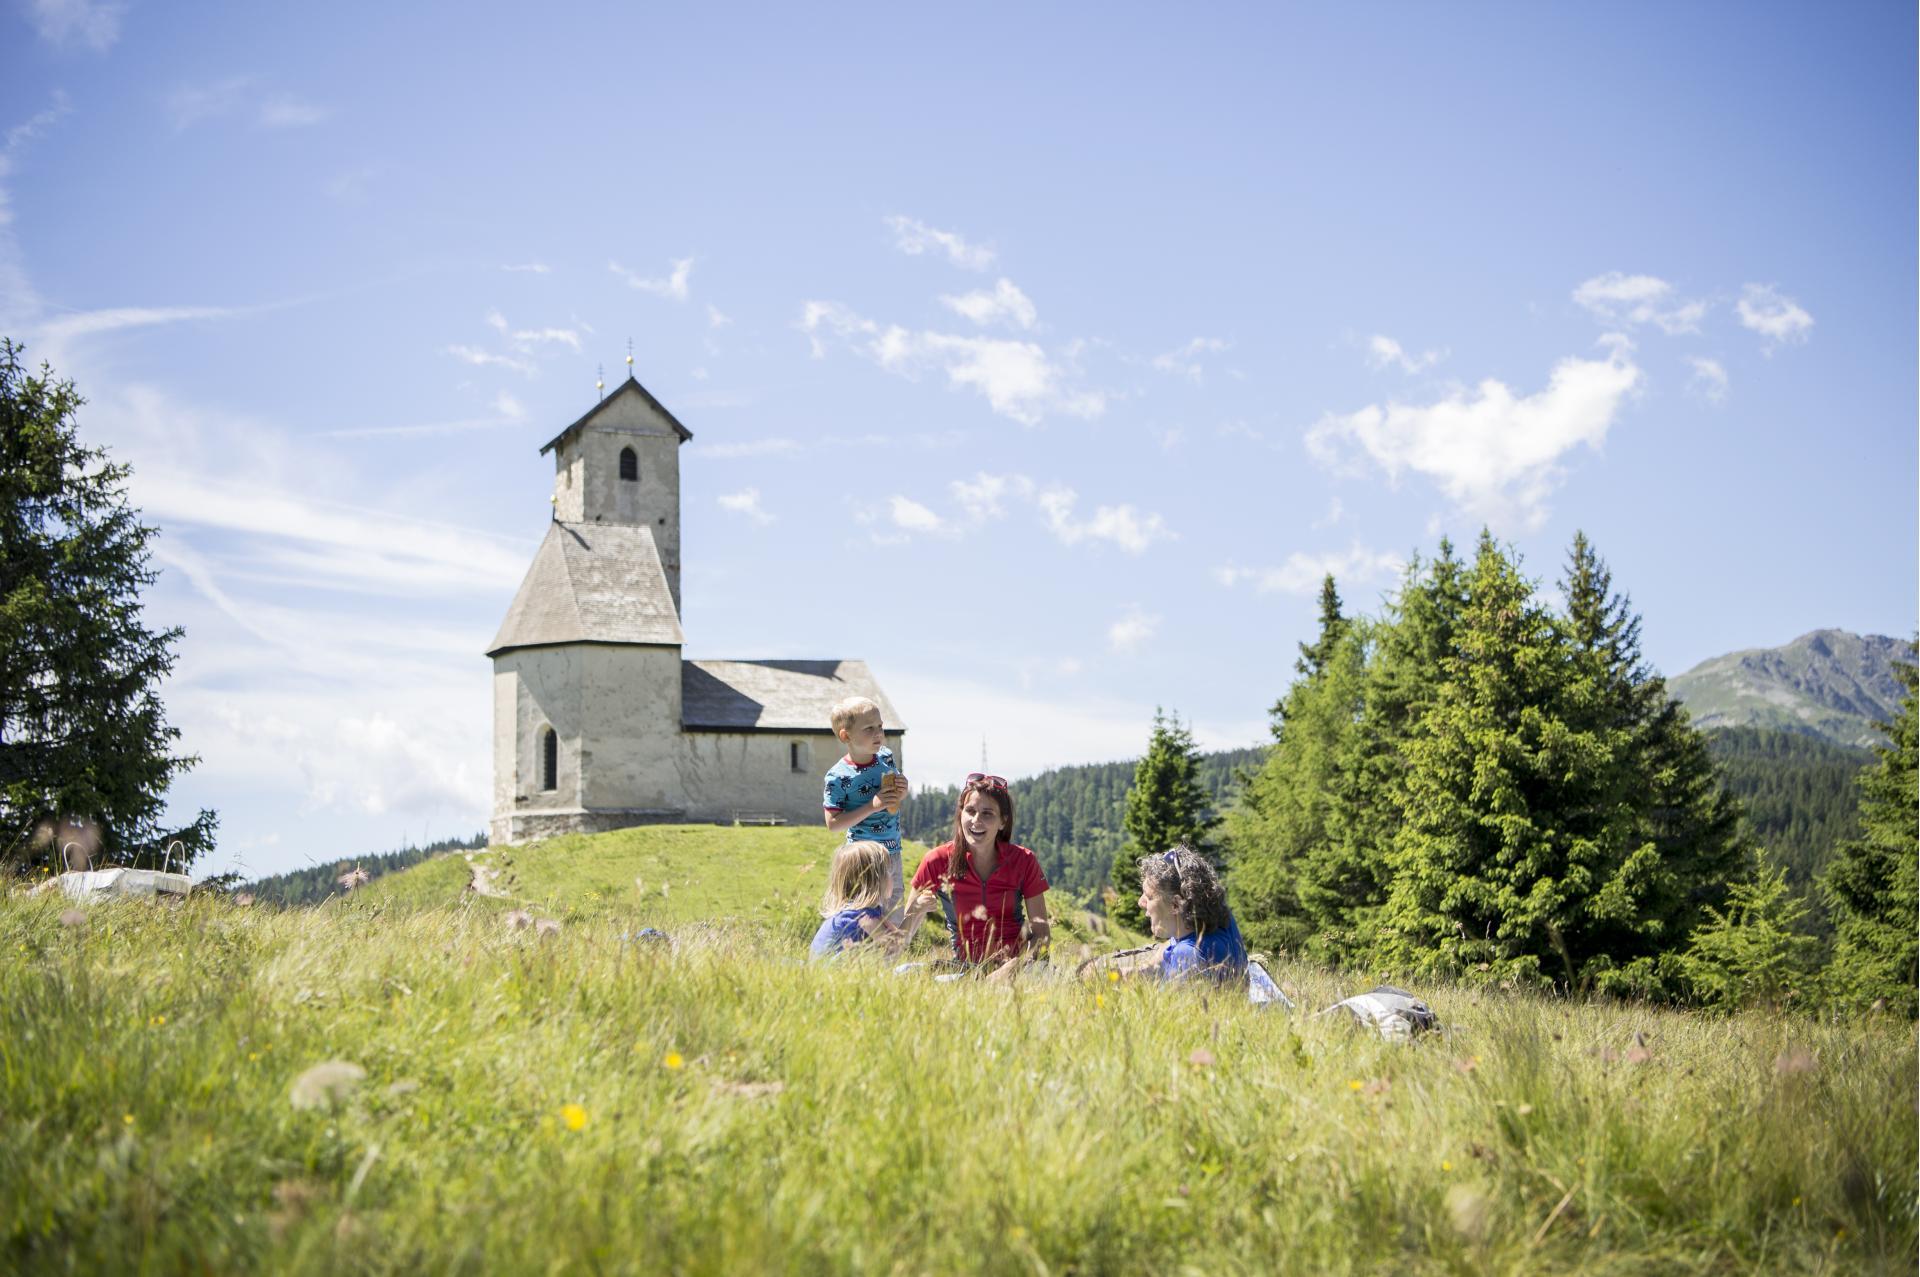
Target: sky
[{"x": 1043, "y": 356}]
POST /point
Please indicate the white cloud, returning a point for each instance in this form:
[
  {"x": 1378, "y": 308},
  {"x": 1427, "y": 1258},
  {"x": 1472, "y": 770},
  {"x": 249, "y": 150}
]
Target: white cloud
[
  {"x": 1121, "y": 525},
  {"x": 483, "y": 358},
  {"x": 1384, "y": 351},
  {"x": 1776, "y": 317},
  {"x": 911, "y": 516},
  {"x": 527, "y": 338},
  {"x": 1019, "y": 379},
  {"x": 746, "y": 448},
  {"x": 673, "y": 287},
  {"x": 715, "y": 318},
  {"x": 509, "y": 407},
  {"x": 529, "y": 268},
  {"x": 93, "y": 23},
  {"x": 916, "y": 237},
  {"x": 747, "y": 502},
  {"x": 980, "y": 496},
  {"x": 1495, "y": 454},
  {"x": 1709, "y": 379},
  {"x": 284, "y": 111},
  {"x": 1131, "y": 631},
  {"x": 1005, "y": 304},
  {"x": 1186, "y": 360},
  {"x": 1619, "y": 298},
  {"x": 1302, "y": 573}
]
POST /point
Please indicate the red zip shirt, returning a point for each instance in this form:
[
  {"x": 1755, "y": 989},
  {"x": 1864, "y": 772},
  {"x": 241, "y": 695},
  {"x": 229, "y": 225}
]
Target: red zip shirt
[{"x": 988, "y": 911}]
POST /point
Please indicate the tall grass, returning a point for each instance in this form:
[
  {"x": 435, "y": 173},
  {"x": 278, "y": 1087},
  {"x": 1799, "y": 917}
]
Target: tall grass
[{"x": 738, "y": 1110}]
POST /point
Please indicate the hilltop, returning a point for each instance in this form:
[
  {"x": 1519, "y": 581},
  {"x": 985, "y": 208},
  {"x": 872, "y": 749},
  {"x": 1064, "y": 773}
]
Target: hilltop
[{"x": 1829, "y": 683}]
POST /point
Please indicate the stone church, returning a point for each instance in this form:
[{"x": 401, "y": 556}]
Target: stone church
[{"x": 599, "y": 721}]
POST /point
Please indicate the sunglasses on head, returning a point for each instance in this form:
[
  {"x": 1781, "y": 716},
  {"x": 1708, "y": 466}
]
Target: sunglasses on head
[{"x": 990, "y": 782}]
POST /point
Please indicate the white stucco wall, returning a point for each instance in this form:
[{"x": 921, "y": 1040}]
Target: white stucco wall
[
  {"x": 731, "y": 774},
  {"x": 632, "y": 713}
]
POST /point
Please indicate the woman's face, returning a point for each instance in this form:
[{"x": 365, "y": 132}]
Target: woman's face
[
  {"x": 1163, "y": 913},
  {"x": 980, "y": 820}
]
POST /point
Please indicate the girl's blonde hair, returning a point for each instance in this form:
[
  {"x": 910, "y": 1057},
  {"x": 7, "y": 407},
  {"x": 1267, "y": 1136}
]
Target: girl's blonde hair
[{"x": 858, "y": 878}]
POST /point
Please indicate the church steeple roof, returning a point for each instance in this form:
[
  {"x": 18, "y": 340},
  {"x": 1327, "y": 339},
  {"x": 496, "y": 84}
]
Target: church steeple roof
[
  {"x": 631, "y": 386},
  {"x": 592, "y": 583}
]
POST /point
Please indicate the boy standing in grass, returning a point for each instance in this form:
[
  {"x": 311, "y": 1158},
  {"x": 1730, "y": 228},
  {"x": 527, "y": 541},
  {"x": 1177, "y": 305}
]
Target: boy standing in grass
[{"x": 864, "y": 790}]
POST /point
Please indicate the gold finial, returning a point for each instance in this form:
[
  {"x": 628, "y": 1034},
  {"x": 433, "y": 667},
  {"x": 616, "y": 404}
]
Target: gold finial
[
  {"x": 600, "y": 379},
  {"x": 629, "y": 356}
]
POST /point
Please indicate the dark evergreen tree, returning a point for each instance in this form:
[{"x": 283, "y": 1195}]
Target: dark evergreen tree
[
  {"x": 1166, "y": 805},
  {"x": 1871, "y": 884},
  {"x": 82, "y": 732}
]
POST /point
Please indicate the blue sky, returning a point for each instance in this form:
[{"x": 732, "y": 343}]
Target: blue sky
[{"x": 1042, "y": 356}]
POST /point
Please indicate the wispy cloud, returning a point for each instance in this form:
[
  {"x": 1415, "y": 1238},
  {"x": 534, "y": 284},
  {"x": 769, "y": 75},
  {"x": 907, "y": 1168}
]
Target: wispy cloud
[
  {"x": 1765, "y": 310},
  {"x": 987, "y": 497},
  {"x": 1302, "y": 572},
  {"x": 746, "y": 502},
  {"x": 1709, "y": 379},
  {"x": 914, "y": 237},
  {"x": 240, "y": 95},
  {"x": 1131, "y": 632},
  {"x": 1619, "y": 298},
  {"x": 486, "y": 358},
  {"x": 1495, "y": 454},
  {"x": 910, "y": 516},
  {"x": 746, "y": 448},
  {"x": 530, "y": 268},
  {"x": 1385, "y": 352},
  {"x": 1186, "y": 361},
  {"x": 673, "y": 287},
  {"x": 1119, "y": 525},
  {"x": 64, "y": 23},
  {"x": 1005, "y": 303},
  {"x": 716, "y": 318},
  {"x": 1021, "y": 380}
]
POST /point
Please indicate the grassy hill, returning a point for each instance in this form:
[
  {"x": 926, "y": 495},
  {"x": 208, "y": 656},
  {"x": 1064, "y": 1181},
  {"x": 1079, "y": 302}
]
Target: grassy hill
[
  {"x": 499, "y": 1100},
  {"x": 1828, "y": 683},
  {"x": 664, "y": 876}
]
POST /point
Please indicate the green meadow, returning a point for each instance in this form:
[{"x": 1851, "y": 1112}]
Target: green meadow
[{"x": 527, "y": 1099}]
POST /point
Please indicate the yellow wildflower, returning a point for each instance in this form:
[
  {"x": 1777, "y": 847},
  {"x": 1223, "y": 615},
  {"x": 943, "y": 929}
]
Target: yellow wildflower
[
  {"x": 1355, "y": 1084},
  {"x": 573, "y": 1115},
  {"x": 1446, "y": 1165},
  {"x": 127, "y": 1118},
  {"x": 1099, "y": 1000},
  {"x": 1113, "y": 977},
  {"x": 673, "y": 1060}
]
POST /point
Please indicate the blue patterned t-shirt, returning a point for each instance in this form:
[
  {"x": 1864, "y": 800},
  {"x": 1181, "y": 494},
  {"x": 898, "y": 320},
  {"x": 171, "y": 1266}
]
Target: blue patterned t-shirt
[
  {"x": 849, "y": 786},
  {"x": 842, "y": 931}
]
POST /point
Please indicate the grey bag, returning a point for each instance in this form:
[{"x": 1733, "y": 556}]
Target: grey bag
[{"x": 1394, "y": 1014}]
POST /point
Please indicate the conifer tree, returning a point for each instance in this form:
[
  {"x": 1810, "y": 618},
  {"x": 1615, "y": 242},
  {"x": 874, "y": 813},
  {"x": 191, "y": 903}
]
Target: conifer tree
[
  {"x": 1871, "y": 884},
  {"x": 82, "y": 732},
  {"x": 1166, "y": 805},
  {"x": 1756, "y": 951}
]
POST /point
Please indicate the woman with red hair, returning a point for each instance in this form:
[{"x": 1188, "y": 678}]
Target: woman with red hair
[{"x": 990, "y": 877}]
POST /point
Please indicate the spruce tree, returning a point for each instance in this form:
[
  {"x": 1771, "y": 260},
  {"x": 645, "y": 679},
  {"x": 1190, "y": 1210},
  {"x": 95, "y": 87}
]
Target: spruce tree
[
  {"x": 1166, "y": 805},
  {"x": 1871, "y": 884},
  {"x": 82, "y": 732},
  {"x": 1286, "y": 809}
]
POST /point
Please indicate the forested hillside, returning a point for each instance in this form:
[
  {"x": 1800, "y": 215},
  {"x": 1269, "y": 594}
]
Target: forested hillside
[
  {"x": 315, "y": 883},
  {"x": 1801, "y": 797},
  {"x": 1070, "y": 816}
]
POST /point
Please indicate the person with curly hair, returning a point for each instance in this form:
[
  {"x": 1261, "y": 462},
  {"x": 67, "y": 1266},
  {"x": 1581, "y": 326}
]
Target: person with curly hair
[{"x": 1186, "y": 905}]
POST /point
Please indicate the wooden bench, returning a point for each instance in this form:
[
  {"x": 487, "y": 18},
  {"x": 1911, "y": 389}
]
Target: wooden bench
[{"x": 757, "y": 818}]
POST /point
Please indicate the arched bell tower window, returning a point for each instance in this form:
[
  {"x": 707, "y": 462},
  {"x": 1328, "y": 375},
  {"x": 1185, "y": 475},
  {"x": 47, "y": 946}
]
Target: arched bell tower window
[
  {"x": 629, "y": 465},
  {"x": 549, "y": 760}
]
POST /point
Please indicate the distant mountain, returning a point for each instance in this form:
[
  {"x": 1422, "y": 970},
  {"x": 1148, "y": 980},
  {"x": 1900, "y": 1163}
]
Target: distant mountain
[{"x": 1830, "y": 683}]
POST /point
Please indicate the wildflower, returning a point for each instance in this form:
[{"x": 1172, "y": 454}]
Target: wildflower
[
  {"x": 547, "y": 927},
  {"x": 1113, "y": 977},
  {"x": 355, "y": 877},
  {"x": 574, "y": 1116},
  {"x": 673, "y": 1060},
  {"x": 253, "y": 1057},
  {"x": 517, "y": 919},
  {"x": 244, "y": 899},
  {"x": 1355, "y": 1084},
  {"x": 1099, "y": 1000},
  {"x": 127, "y": 1118},
  {"x": 324, "y": 1084},
  {"x": 1201, "y": 1058},
  {"x": 1445, "y": 1165},
  {"x": 1796, "y": 1199},
  {"x": 72, "y": 918},
  {"x": 1795, "y": 1059}
]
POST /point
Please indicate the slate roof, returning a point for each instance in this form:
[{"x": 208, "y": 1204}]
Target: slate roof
[
  {"x": 592, "y": 583},
  {"x": 774, "y": 695},
  {"x": 630, "y": 386}
]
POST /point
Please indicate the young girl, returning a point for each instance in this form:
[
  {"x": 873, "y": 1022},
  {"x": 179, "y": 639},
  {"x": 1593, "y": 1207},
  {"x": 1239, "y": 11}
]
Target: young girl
[
  {"x": 990, "y": 876},
  {"x": 1186, "y": 905},
  {"x": 855, "y": 905}
]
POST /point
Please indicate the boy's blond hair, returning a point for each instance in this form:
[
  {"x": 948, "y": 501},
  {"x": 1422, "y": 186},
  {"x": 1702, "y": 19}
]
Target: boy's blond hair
[
  {"x": 846, "y": 711},
  {"x": 858, "y": 878}
]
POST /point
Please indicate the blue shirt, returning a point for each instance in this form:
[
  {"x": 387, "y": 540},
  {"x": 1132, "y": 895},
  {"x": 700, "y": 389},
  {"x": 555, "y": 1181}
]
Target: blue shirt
[
  {"x": 842, "y": 931},
  {"x": 849, "y": 786},
  {"x": 1220, "y": 956}
]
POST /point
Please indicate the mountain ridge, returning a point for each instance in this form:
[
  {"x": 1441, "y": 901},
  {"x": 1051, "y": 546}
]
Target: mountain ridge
[{"x": 1829, "y": 683}]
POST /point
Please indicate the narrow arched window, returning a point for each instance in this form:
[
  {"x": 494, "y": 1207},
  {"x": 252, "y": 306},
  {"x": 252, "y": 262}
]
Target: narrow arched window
[
  {"x": 549, "y": 760},
  {"x": 629, "y": 465}
]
